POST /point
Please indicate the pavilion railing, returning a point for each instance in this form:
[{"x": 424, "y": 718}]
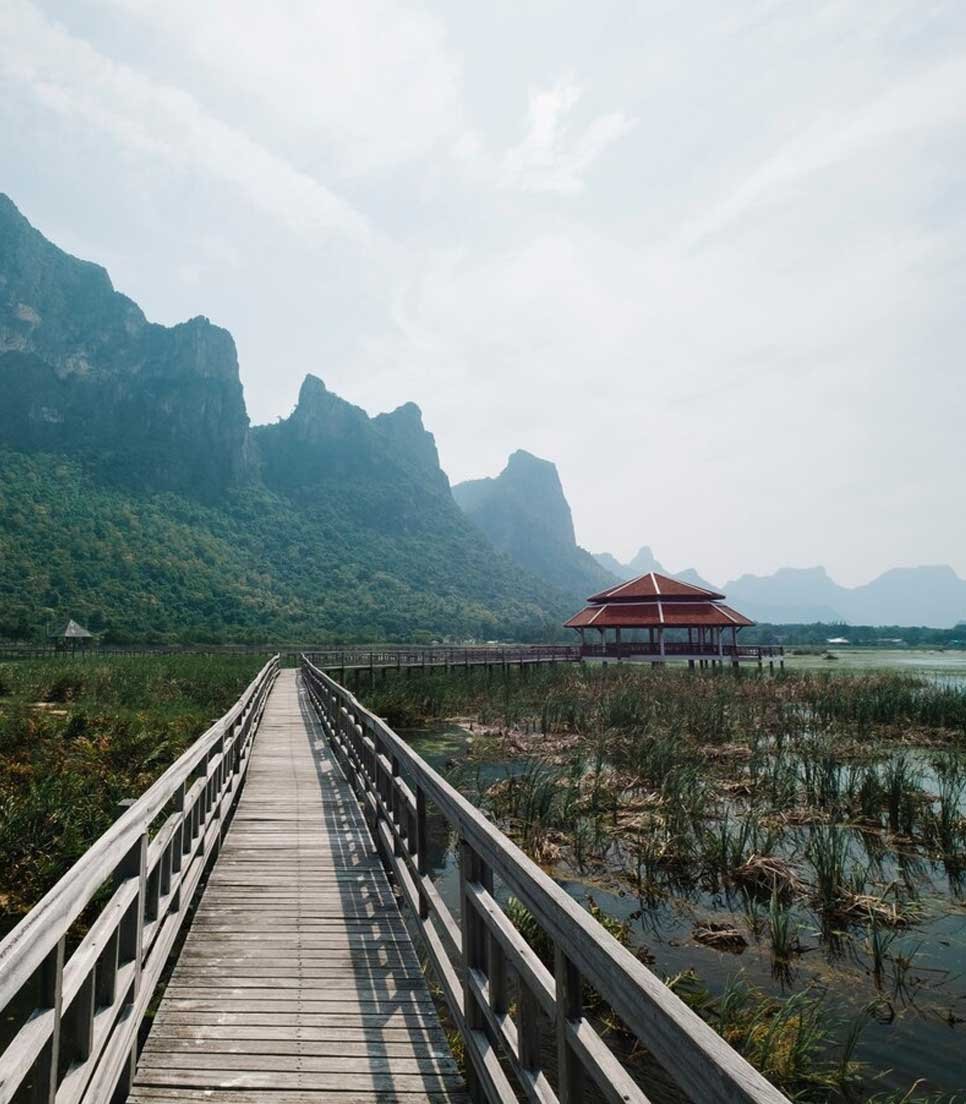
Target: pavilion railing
[
  {"x": 72, "y": 1013},
  {"x": 630, "y": 648},
  {"x": 476, "y": 957}
]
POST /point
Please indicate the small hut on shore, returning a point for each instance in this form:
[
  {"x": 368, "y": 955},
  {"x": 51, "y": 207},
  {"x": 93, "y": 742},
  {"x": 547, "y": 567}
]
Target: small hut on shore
[{"x": 71, "y": 636}]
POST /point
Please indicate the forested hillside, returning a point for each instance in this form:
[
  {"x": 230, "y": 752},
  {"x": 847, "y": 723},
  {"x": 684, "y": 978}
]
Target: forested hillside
[
  {"x": 255, "y": 567},
  {"x": 135, "y": 497}
]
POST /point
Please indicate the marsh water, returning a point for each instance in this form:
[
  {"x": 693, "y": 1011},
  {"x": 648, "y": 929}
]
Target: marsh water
[
  {"x": 940, "y": 663},
  {"x": 913, "y": 1011}
]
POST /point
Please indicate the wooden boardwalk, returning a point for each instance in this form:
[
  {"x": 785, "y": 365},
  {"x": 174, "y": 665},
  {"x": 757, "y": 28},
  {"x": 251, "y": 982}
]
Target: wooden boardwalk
[{"x": 297, "y": 981}]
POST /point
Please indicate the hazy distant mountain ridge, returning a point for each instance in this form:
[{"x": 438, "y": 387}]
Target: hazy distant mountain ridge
[
  {"x": 911, "y": 596},
  {"x": 523, "y": 512},
  {"x": 645, "y": 561},
  {"x": 930, "y": 595}
]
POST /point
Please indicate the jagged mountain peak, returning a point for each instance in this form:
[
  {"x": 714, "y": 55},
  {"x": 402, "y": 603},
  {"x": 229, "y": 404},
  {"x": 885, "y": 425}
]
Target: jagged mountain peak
[{"x": 524, "y": 513}]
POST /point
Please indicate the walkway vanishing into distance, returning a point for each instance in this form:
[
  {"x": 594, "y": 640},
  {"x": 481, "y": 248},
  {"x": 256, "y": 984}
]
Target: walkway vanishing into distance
[
  {"x": 298, "y": 973},
  {"x": 298, "y": 980}
]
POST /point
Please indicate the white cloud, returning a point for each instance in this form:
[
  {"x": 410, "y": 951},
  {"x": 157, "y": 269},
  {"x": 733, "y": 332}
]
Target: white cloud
[
  {"x": 555, "y": 155},
  {"x": 928, "y": 101},
  {"x": 40, "y": 60},
  {"x": 367, "y": 85}
]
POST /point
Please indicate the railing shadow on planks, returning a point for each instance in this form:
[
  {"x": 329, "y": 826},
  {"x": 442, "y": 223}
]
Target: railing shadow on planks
[
  {"x": 474, "y": 960},
  {"x": 73, "y": 1019}
]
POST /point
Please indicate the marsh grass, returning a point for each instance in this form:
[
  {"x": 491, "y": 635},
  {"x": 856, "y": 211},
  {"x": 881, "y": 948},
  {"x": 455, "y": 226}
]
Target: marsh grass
[
  {"x": 793, "y": 1041},
  {"x": 77, "y": 736},
  {"x": 806, "y": 802}
]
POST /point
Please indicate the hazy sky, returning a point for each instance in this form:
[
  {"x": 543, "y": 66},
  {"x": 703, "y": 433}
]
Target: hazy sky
[{"x": 708, "y": 257}]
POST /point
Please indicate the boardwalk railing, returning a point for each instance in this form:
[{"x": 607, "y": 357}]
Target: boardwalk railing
[
  {"x": 443, "y": 657},
  {"x": 384, "y": 655},
  {"x": 72, "y": 1013},
  {"x": 473, "y": 958}
]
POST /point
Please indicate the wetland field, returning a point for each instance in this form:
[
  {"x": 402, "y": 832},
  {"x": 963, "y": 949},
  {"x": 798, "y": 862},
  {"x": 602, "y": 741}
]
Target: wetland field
[
  {"x": 79, "y": 735},
  {"x": 788, "y": 852}
]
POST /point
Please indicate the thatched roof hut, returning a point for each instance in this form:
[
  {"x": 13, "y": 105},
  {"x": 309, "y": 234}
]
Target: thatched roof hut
[{"x": 72, "y": 635}]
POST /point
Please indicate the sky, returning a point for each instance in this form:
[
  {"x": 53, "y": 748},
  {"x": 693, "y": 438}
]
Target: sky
[{"x": 708, "y": 258}]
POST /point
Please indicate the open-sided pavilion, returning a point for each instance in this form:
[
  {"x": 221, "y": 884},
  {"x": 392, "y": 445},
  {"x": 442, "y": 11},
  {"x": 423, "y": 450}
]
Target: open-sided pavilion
[{"x": 654, "y": 617}]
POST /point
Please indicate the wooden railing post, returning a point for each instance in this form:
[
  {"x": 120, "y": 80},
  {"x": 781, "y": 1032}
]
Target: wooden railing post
[
  {"x": 44, "y": 1074},
  {"x": 131, "y": 934},
  {"x": 394, "y": 806},
  {"x": 105, "y": 986},
  {"x": 495, "y": 959},
  {"x": 570, "y": 1072},
  {"x": 528, "y": 1030},
  {"x": 422, "y": 860},
  {"x": 473, "y": 956}
]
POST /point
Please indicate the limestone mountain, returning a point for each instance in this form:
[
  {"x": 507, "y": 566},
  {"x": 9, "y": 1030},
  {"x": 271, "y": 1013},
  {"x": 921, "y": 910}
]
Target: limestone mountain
[
  {"x": 135, "y": 496},
  {"x": 84, "y": 373},
  {"x": 524, "y": 513},
  {"x": 384, "y": 470}
]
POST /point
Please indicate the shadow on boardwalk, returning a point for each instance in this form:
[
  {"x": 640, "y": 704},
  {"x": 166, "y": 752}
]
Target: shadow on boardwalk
[{"x": 298, "y": 976}]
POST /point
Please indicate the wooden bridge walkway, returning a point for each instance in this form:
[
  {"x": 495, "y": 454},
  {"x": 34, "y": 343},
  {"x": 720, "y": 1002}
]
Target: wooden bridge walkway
[
  {"x": 298, "y": 976},
  {"x": 297, "y": 980}
]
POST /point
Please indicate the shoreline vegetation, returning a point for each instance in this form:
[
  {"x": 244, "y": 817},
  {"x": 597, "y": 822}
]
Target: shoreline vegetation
[
  {"x": 77, "y": 736},
  {"x": 814, "y": 821}
]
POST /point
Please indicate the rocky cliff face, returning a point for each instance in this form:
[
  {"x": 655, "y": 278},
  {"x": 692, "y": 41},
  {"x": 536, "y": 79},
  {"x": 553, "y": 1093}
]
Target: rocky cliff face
[
  {"x": 384, "y": 470},
  {"x": 524, "y": 513},
  {"x": 84, "y": 373}
]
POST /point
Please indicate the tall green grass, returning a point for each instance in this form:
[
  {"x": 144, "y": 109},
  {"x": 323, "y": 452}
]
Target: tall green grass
[{"x": 77, "y": 736}]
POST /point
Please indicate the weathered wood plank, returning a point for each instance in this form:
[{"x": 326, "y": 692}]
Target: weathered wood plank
[{"x": 298, "y": 978}]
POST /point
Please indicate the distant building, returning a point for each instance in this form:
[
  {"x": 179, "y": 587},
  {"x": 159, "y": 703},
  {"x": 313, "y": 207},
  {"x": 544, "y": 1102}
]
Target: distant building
[
  {"x": 72, "y": 636},
  {"x": 837, "y": 640},
  {"x": 702, "y": 629}
]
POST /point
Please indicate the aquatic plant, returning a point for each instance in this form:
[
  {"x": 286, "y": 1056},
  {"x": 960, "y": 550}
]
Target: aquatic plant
[{"x": 828, "y": 852}]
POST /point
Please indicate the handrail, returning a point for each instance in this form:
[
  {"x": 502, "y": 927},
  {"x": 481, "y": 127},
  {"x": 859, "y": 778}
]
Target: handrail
[
  {"x": 471, "y": 957},
  {"x": 445, "y": 656},
  {"x": 79, "y": 1015}
]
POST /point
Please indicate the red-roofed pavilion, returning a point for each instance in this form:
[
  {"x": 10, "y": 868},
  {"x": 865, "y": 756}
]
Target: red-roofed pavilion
[{"x": 681, "y": 621}]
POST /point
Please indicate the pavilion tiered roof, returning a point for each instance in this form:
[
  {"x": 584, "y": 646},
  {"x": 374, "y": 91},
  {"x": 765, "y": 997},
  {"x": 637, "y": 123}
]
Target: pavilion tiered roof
[{"x": 655, "y": 601}]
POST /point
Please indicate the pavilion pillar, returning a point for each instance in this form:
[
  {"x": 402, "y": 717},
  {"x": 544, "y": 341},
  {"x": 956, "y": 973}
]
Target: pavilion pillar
[
  {"x": 660, "y": 639},
  {"x": 617, "y": 638}
]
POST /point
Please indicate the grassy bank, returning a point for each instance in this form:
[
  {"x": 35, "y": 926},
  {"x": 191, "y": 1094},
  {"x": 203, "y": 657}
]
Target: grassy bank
[{"x": 78, "y": 736}]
